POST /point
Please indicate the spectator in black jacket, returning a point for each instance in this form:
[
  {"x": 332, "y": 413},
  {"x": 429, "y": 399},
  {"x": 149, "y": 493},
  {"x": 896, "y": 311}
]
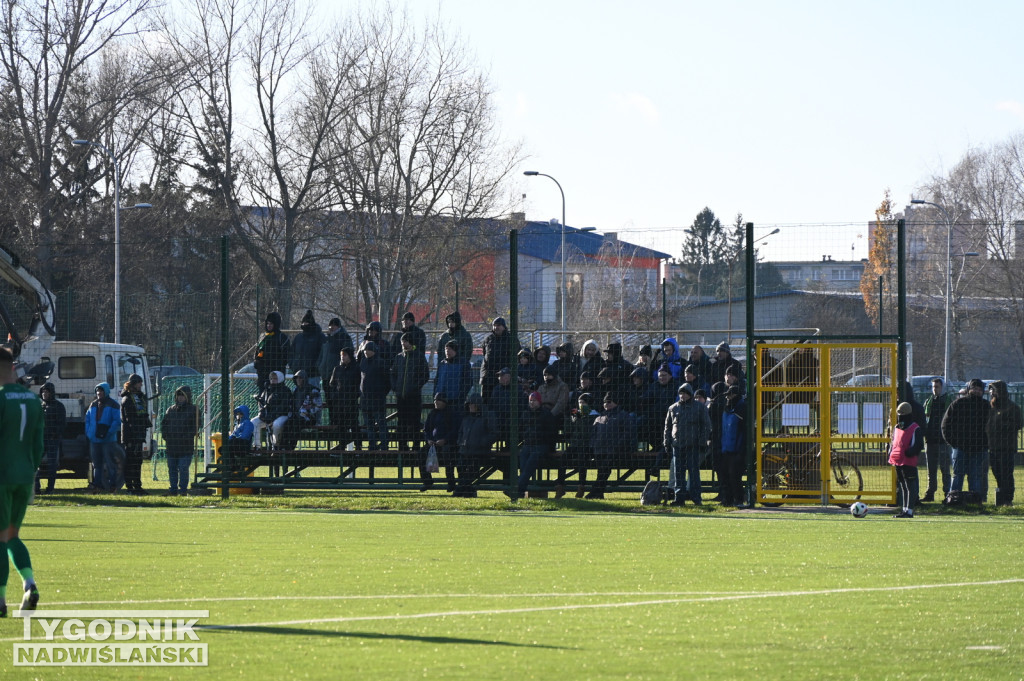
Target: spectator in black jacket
[
  {"x": 55, "y": 418},
  {"x": 537, "y": 430},
  {"x": 964, "y": 428},
  {"x": 474, "y": 442},
  {"x": 306, "y": 348},
  {"x": 456, "y": 332},
  {"x": 179, "y": 429},
  {"x": 272, "y": 351},
  {"x": 135, "y": 424},
  {"x": 1004, "y": 423},
  {"x": 440, "y": 432},
  {"x": 275, "y": 406},
  {"x": 613, "y": 439},
  {"x": 419, "y": 337},
  {"x": 936, "y": 449},
  {"x": 335, "y": 338},
  {"x": 500, "y": 350},
  {"x": 409, "y": 373},
  {"x": 374, "y": 386},
  {"x": 343, "y": 399}
]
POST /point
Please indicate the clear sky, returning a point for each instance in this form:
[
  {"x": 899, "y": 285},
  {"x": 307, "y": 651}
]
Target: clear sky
[{"x": 797, "y": 114}]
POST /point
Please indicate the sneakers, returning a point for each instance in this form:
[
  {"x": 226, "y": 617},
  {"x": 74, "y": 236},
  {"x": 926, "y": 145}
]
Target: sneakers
[
  {"x": 905, "y": 513},
  {"x": 929, "y": 497},
  {"x": 31, "y": 598}
]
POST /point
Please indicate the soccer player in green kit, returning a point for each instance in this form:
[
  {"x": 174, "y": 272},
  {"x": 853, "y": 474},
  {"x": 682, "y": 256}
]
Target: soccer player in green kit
[{"x": 21, "y": 450}]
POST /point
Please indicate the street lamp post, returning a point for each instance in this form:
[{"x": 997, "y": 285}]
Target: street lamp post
[
  {"x": 949, "y": 283},
  {"x": 117, "y": 230},
  {"x": 562, "y": 288}
]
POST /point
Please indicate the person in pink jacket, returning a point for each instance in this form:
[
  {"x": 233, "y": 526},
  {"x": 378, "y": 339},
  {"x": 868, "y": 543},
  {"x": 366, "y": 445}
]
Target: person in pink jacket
[{"x": 907, "y": 443}]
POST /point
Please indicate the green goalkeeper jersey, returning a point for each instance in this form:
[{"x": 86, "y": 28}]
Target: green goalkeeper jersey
[{"x": 21, "y": 434}]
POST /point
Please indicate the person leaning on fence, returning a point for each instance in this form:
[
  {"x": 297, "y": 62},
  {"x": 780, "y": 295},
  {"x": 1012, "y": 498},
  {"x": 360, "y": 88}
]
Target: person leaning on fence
[
  {"x": 179, "y": 428},
  {"x": 343, "y": 400},
  {"x": 306, "y": 347},
  {"x": 275, "y": 406},
  {"x": 440, "y": 432},
  {"x": 272, "y": 351},
  {"x": 907, "y": 443},
  {"x": 55, "y": 417},
  {"x": 1004, "y": 424},
  {"x": 456, "y": 332},
  {"x": 374, "y": 386},
  {"x": 578, "y": 450},
  {"x": 964, "y": 429},
  {"x": 687, "y": 431},
  {"x": 936, "y": 449},
  {"x": 409, "y": 373},
  {"x": 613, "y": 439},
  {"x": 102, "y": 424},
  {"x": 537, "y": 430},
  {"x": 733, "y": 436},
  {"x": 474, "y": 443}
]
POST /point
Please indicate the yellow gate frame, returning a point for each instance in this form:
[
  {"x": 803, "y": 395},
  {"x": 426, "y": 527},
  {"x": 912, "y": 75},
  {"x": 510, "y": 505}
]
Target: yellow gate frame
[{"x": 789, "y": 467}]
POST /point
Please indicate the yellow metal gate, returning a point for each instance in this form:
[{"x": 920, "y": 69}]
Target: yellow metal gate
[{"x": 824, "y": 411}]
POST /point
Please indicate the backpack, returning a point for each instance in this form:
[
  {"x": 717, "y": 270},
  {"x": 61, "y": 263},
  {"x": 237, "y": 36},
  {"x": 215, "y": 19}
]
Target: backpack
[{"x": 652, "y": 494}]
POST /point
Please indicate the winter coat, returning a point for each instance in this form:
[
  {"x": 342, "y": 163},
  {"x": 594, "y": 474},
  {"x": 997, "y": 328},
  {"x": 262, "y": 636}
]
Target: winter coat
[
  {"x": 419, "y": 341},
  {"x": 103, "y": 419},
  {"x": 687, "y": 427},
  {"x": 272, "y": 351},
  {"x": 613, "y": 435},
  {"x": 385, "y": 353},
  {"x": 1004, "y": 422},
  {"x": 734, "y": 429},
  {"x": 554, "y": 396},
  {"x": 460, "y": 336},
  {"x": 964, "y": 425},
  {"x": 243, "y": 427},
  {"x": 654, "y": 404},
  {"x": 595, "y": 363},
  {"x": 306, "y": 347},
  {"x": 441, "y": 424},
  {"x": 499, "y": 351},
  {"x": 373, "y": 383},
  {"x": 275, "y": 401},
  {"x": 344, "y": 387},
  {"x": 330, "y": 352},
  {"x": 673, "y": 359},
  {"x": 537, "y": 428},
  {"x": 568, "y": 369},
  {"x": 307, "y": 403},
  {"x": 475, "y": 435},
  {"x": 135, "y": 419},
  {"x": 907, "y": 442},
  {"x": 409, "y": 373},
  {"x": 934, "y": 409},
  {"x": 55, "y": 416},
  {"x": 454, "y": 379},
  {"x": 180, "y": 426}
]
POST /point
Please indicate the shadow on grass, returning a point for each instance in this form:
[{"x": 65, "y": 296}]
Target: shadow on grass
[{"x": 373, "y": 635}]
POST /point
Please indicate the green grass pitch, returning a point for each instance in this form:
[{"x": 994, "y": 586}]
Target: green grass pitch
[{"x": 542, "y": 592}]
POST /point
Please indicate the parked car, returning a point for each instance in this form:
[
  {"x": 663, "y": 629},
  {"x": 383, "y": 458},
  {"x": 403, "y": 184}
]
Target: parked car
[
  {"x": 157, "y": 374},
  {"x": 866, "y": 381}
]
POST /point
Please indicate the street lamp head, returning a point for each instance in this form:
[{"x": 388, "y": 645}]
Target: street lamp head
[
  {"x": 586, "y": 229},
  {"x": 774, "y": 231},
  {"x": 142, "y": 205},
  {"x": 971, "y": 254},
  {"x": 918, "y": 201},
  {"x": 81, "y": 143},
  {"x": 530, "y": 173}
]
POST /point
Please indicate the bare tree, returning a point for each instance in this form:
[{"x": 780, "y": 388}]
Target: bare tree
[
  {"x": 415, "y": 160},
  {"x": 46, "y": 51}
]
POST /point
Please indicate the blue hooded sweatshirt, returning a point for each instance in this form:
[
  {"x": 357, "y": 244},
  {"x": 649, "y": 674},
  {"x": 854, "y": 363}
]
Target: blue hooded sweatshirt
[
  {"x": 243, "y": 429},
  {"x": 103, "y": 419},
  {"x": 674, "y": 361}
]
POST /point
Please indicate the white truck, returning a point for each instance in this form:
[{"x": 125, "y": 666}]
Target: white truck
[{"x": 74, "y": 367}]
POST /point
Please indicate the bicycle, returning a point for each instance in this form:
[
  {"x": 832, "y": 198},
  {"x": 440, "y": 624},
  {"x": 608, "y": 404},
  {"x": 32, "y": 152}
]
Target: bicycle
[{"x": 796, "y": 466}]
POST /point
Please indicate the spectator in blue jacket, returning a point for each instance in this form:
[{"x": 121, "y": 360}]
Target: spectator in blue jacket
[
  {"x": 102, "y": 424},
  {"x": 454, "y": 378},
  {"x": 733, "y": 433}
]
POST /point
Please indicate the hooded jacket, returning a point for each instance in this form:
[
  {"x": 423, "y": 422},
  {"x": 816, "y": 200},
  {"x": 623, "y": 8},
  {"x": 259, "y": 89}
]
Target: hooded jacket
[
  {"x": 499, "y": 351},
  {"x": 272, "y": 350},
  {"x": 275, "y": 401},
  {"x": 103, "y": 419},
  {"x": 687, "y": 427},
  {"x": 965, "y": 422},
  {"x": 595, "y": 363},
  {"x": 134, "y": 416},
  {"x": 306, "y": 346},
  {"x": 673, "y": 359},
  {"x": 568, "y": 369},
  {"x": 475, "y": 434},
  {"x": 330, "y": 351},
  {"x": 459, "y": 335},
  {"x": 1004, "y": 421},
  {"x": 243, "y": 427},
  {"x": 409, "y": 373},
  {"x": 180, "y": 426},
  {"x": 55, "y": 416}
]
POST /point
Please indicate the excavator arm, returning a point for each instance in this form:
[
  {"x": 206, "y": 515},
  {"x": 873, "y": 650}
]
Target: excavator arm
[{"x": 29, "y": 348}]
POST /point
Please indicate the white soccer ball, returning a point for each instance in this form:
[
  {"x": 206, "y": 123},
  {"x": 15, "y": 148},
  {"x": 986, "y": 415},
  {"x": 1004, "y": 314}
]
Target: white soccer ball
[{"x": 858, "y": 509}]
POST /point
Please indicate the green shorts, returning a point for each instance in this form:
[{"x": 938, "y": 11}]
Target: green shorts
[{"x": 13, "y": 504}]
